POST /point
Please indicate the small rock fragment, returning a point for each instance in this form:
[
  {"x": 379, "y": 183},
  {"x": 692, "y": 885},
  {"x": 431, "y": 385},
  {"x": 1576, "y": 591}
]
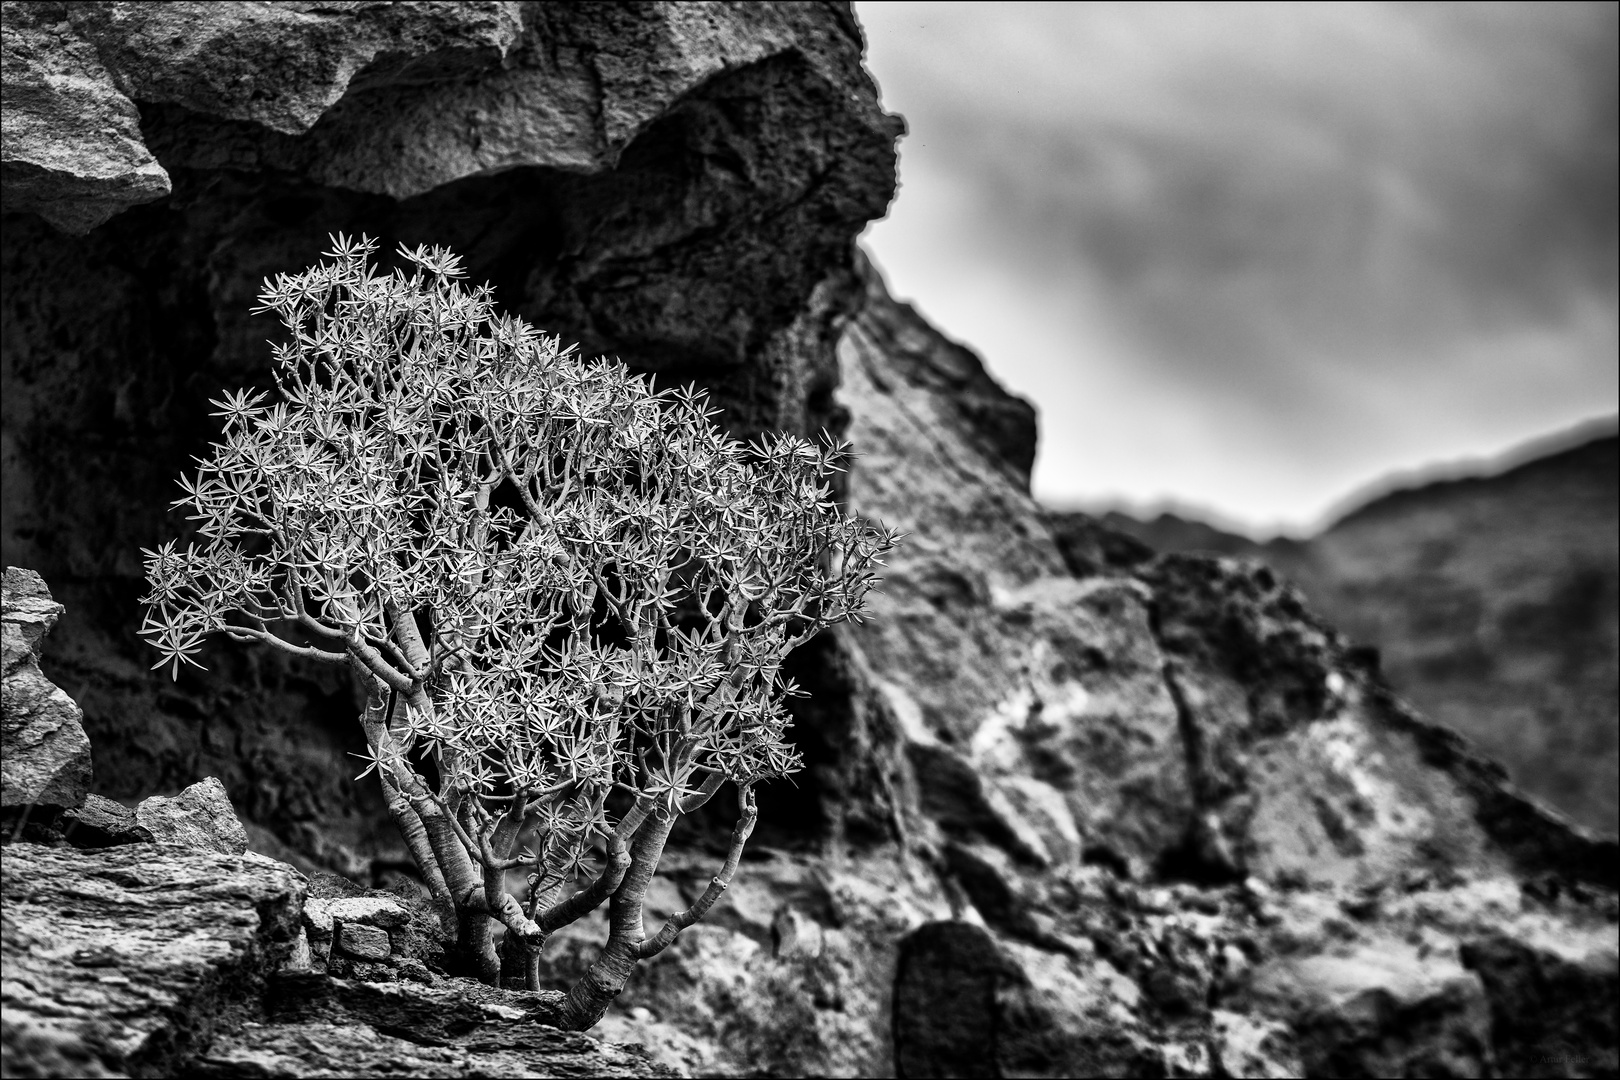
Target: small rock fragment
[
  {"x": 318, "y": 917},
  {"x": 381, "y": 911},
  {"x": 100, "y": 822},
  {"x": 363, "y": 942},
  {"x": 797, "y": 935}
]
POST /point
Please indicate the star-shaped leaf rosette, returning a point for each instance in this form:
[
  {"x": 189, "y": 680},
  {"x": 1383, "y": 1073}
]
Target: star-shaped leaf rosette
[{"x": 572, "y": 595}]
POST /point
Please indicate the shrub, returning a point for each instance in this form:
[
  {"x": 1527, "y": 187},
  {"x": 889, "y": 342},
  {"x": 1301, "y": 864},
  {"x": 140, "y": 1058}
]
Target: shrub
[{"x": 568, "y": 596}]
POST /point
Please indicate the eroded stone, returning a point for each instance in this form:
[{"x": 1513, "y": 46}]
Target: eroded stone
[
  {"x": 160, "y": 943},
  {"x": 201, "y": 816}
]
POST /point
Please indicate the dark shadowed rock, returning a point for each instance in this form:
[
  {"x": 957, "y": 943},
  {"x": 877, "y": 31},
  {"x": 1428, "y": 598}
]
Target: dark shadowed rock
[
  {"x": 100, "y": 822},
  {"x": 44, "y": 752},
  {"x": 945, "y": 1001},
  {"x": 1551, "y": 1006},
  {"x": 127, "y": 959},
  {"x": 199, "y": 817}
]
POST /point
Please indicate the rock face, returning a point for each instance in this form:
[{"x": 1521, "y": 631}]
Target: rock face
[
  {"x": 162, "y": 960},
  {"x": 1492, "y": 601},
  {"x": 44, "y": 752},
  {"x": 318, "y": 1027},
  {"x": 1071, "y": 807},
  {"x": 124, "y": 961}
]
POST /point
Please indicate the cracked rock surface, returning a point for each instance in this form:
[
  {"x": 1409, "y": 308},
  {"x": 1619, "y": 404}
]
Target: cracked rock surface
[{"x": 124, "y": 960}]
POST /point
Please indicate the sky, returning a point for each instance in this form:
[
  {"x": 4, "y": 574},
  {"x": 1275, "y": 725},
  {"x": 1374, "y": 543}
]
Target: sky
[{"x": 1246, "y": 259}]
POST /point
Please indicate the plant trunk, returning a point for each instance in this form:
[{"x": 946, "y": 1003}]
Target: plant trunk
[
  {"x": 588, "y": 999},
  {"x": 477, "y": 944},
  {"x": 445, "y": 866}
]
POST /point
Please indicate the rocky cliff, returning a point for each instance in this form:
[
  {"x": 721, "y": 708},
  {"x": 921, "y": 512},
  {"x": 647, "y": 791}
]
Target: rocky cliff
[
  {"x": 1493, "y": 601},
  {"x": 1071, "y": 808}
]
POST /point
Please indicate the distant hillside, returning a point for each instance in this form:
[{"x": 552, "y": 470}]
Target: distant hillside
[{"x": 1494, "y": 601}]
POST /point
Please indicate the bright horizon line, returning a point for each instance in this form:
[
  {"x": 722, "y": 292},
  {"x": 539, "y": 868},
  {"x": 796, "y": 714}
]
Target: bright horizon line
[{"x": 1495, "y": 463}]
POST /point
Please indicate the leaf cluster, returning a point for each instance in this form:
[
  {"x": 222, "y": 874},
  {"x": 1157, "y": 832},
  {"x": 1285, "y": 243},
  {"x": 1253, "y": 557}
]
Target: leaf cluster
[{"x": 580, "y": 590}]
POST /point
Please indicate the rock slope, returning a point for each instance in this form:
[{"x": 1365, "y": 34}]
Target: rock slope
[{"x": 1494, "y": 604}]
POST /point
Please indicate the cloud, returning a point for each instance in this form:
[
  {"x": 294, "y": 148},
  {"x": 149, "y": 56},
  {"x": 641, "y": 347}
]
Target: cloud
[{"x": 1298, "y": 243}]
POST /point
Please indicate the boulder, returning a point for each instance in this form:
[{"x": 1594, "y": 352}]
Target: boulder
[
  {"x": 362, "y": 942},
  {"x": 70, "y": 141},
  {"x": 44, "y": 752},
  {"x": 355, "y": 933},
  {"x": 945, "y": 1002},
  {"x": 199, "y": 817}
]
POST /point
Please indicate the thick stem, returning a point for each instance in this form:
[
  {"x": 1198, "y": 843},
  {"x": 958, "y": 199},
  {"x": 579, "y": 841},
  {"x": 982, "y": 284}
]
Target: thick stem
[
  {"x": 588, "y": 999},
  {"x": 444, "y": 849},
  {"x": 477, "y": 944},
  {"x": 624, "y": 913},
  {"x": 586, "y": 900},
  {"x": 375, "y": 725}
]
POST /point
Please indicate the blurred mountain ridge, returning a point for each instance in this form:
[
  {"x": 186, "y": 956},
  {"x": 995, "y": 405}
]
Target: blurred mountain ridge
[{"x": 1491, "y": 598}]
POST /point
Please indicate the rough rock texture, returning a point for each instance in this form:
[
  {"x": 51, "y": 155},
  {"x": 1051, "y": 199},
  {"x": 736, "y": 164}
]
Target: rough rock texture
[
  {"x": 313, "y": 1026},
  {"x": 1552, "y": 1006},
  {"x": 198, "y": 817},
  {"x": 1127, "y": 813},
  {"x": 1027, "y": 738},
  {"x": 70, "y": 142},
  {"x": 342, "y": 923},
  {"x": 161, "y": 960},
  {"x": 100, "y": 822},
  {"x": 1492, "y": 600},
  {"x": 123, "y": 961},
  {"x": 44, "y": 752},
  {"x": 1192, "y": 717}
]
